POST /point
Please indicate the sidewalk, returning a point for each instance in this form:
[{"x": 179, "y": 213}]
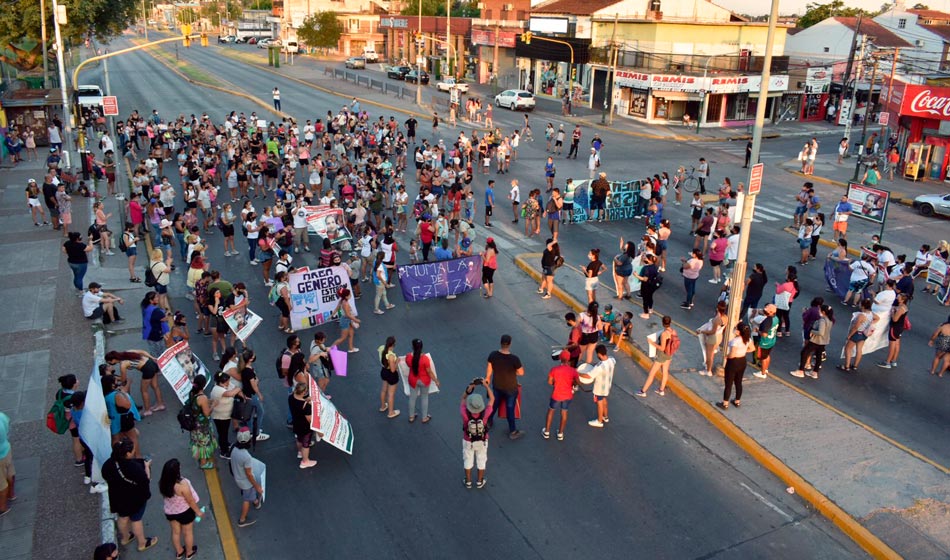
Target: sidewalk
[{"x": 882, "y": 492}]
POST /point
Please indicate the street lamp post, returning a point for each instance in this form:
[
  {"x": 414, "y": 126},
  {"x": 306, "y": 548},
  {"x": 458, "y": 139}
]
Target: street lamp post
[
  {"x": 448, "y": 34},
  {"x": 419, "y": 57},
  {"x": 67, "y": 113}
]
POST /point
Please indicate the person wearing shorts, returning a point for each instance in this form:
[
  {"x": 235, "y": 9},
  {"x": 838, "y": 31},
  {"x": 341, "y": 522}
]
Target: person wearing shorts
[
  {"x": 243, "y": 472},
  {"x": 564, "y": 379},
  {"x": 475, "y": 424},
  {"x": 301, "y": 412},
  {"x": 842, "y": 212}
]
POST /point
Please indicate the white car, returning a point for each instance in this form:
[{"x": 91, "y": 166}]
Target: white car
[
  {"x": 448, "y": 83},
  {"x": 263, "y": 43},
  {"x": 515, "y": 99}
]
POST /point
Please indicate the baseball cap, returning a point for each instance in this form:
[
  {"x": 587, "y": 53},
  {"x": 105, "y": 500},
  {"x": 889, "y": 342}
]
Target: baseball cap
[
  {"x": 490, "y": 240},
  {"x": 475, "y": 403},
  {"x": 564, "y": 356},
  {"x": 31, "y": 181},
  {"x": 244, "y": 435}
]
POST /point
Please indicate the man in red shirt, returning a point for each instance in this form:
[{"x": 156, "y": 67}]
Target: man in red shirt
[{"x": 564, "y": 378}]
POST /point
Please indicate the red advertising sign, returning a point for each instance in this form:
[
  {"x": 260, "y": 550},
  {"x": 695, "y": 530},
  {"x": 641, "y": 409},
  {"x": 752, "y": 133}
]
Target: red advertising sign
[
  {"x": 110, "y": 106},
  {"x": 506, "y": 39},
  {"x": 928, "y": 102},
  {"x": 755, "y": 178}
]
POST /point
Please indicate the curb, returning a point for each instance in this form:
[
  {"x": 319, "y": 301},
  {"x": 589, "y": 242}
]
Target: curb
[{"x": 845, "y": 522}]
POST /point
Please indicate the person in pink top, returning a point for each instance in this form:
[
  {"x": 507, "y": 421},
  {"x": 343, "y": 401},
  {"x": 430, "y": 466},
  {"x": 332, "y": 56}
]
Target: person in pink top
[
  {"x": 136, "y": 215},
  {"x": 489, "y": 265},
  {"x": 717, "y": 254},
  {"x": 475, "y": 414},
  {"x": 785, "y": 293},
  {"x": 181, "y": 508},
  {"x": 691, "y": 267}
]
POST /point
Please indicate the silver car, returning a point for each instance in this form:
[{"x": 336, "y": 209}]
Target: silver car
[
  {"x": 356, "y": 62},
  {"x": 515, "y": 99},
  {"x": 930, "y": 204}
]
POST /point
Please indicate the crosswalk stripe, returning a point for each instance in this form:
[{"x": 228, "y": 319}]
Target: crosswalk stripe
[{"x": 773, "y": 211}]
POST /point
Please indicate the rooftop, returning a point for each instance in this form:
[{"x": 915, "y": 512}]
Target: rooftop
[{"x": 882, "y": 37}]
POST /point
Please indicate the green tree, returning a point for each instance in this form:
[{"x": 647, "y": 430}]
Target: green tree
[
  {"x": 20, "y": 26},
  {"x": 321, "y": 30},
  {"x": 460, "y": 8},
  {"x": 815, "y": 13}
]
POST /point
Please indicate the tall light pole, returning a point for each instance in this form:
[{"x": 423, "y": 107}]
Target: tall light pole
[
  {"x": 63, "y": 87},
  {"x": 144, "y": 20},
  {"x": 419, "y": 41},
  {"x": 448, "y": 34},
  {"x": 748, "y": 206},
  {"x": 43, "y": 37}
]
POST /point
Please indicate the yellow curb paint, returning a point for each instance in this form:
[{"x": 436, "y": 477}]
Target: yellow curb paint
[
  {"x": 847, "y": 524},
  {"x": 896, "y": 196},
  {"x": 221, "y": 516}
]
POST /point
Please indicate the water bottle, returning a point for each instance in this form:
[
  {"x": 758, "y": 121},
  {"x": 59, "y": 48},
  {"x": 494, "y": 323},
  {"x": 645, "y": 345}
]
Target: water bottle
[{"x": 198, "y": 519}]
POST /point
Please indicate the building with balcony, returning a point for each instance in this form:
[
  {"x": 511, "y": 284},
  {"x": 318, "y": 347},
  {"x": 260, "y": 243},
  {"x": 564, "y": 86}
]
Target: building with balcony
[
  {"x": 494, "y": 35},
  {"x": 673, "y": 58},
  {"x": 360, "y": 19},
  {"x": 441, "y": 47}
]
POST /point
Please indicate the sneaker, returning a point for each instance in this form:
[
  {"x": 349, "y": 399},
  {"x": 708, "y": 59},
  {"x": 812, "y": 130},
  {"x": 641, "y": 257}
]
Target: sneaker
[
  {"x": 378, "y": 312},
  {"x": 215, "y": 356},
  {"x": 659, "y": 392},
  {"x": 596, "y": 423},
  {"x": 885, "y": 365},
  {"x": 713, "y": 281},
  {"x": 606, "y": 420},
  {"x": 99, "y": 488},
  {"x": 481, "y": 483},
  {"x": 546, "y": 296},
  {"x": 797, "y": 373},
  {"x": 641, "y": 393},
  {"x": 353, "y": 350},
  {"x": 560, "y": 436},
  {"x": 307, "y": 464},
  {"x": 296, "y": 250},
  {"x": 86, "y": 480},
  {"x": 467, "y": 483},
  {"x": 684, "y": 305},
  {"x": 269, "y": 283},
  {"x": 79, "y": 463},
  {"x": 247, "y": 522},
  {"x": 109, "y": 253},
  {"x": 307, "y": 249},
  {"x": 540, "y": 290},
  {"x": 263, "y": 437},
  {"x": 299, "y": 456},
  {"x": 545, "y": 434},
  {"x": 390, "y": 306},
  {"x": 759, "y": 374},
  {"x": 812, "y": 374},
  {"x": 255, "y": 262},
  {"x": 644, "y": 315}
]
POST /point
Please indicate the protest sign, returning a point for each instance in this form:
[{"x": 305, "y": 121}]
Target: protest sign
[
  {"x": 242, "y": 321},
  {"x": 621, "y": 204},
  {"x": 179, "y": 367},
  {"x": 327, "y": 421},
  {"x": 275, "y": 224},
  {"x": 440, "y": 279},
  {"x": 651, "y": 350},
  {"x": 313, "y": 295},
  {"x": 329, "y": 223},
  {"x": 338, "y": 358},
  {"x": 937, "y": 272},
  {"x": 868, "y": 203}
]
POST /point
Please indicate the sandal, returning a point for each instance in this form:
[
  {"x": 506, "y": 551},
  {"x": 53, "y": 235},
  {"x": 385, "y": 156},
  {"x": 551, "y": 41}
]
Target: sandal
[
  {"x": 149, "y": 543},
  {"x": 412, "y": 418},
  {"x": 722, "y": 405},
  {"x": 128, "y": 540},
  {"x": 426, "y": 419},
  {"x": 736, "y": 403},
  {"x": 842, "y": 367},
  {"x": 135, "y": 279},
  {"x": 384, "y": 407}
]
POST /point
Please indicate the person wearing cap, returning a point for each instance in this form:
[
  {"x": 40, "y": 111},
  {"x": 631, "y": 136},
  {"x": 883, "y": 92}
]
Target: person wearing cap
[
  {"x": 767, "y": 330},
  {"x": 564, "y": 379},
  {"x": 475, "y": 427},
  {"x": 33, "y": 203},
  {"x": 602, "y": 375},
  {"x": 245, "y": 475}
]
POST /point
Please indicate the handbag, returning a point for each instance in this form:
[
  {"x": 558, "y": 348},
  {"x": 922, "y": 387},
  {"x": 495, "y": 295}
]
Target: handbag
[{"x": 242, "y": 410}]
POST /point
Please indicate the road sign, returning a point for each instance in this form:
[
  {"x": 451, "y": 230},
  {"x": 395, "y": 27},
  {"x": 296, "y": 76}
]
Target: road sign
[
  {"x": 755, "y": 178},
  {"x": 883, "y": 117},
  {"x": 110, "y": 106}
]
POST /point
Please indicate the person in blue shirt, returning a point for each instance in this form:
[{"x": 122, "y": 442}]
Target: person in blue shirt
[
  {"x": 7, "y": 473},
  {"x": 489, "y": 203},
  {"x": 442, "y": 252},
  {"x": 840, "y": 217}
]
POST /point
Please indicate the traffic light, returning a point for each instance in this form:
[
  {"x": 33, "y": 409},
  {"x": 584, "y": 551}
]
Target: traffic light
[
  {"x": 574, "y": 74},
  {"x": 204, "y": 39},
  {"x": 526, "y": 37},
  {"x": 185, "y": 32}
]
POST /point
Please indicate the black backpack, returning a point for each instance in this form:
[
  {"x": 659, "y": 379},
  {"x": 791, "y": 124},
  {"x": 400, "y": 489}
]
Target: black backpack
[
  {"x": 123, "y": 246},
  {"x": 150, "y": 280},
  {"x": 476, "y": 428},
  {"x": 187, "y": 420}
]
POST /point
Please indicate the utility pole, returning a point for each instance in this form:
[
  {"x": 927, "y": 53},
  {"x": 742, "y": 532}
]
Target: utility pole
[
  {"x": 419, "y": 57},
  {"x": 867, "y": 117},
  {"x": 144, "y": 20},
  {"x": 854, "y": 92},
  {"x": 63, "y": 84},
  {"x": 847, "y": 78},
  {"x": 609, "y": 84},
  {"x": 43, "y": 37},
  {"x": 748, "y": 206},
  {"x": 890, "y": 88},
  {"x": 448, "y": 36},
  {"x": 105, "y": 72}
]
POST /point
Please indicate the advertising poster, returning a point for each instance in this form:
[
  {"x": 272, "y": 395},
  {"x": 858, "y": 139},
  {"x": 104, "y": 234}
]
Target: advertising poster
[
  {"x": 313, "y": 295},
  {"x": 179, "y": 366},
  {"x": 329, "y": 223},
  {"x": 243, "y": 322},
  {"x": 327, "y": 421},
  {"x": 869, "y": 203},
  {"x": 440, "y": 279}
]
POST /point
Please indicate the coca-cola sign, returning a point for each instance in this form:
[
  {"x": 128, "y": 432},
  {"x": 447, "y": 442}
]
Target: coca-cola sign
[{"x": 927, "y": 102}]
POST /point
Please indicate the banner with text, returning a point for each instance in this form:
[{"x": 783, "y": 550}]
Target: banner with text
[
  {"x": 440, "y": 279},
  {"x": 621, "y": 202},
  {"x": 243, "y": 322},
  {"x": 179, "y": 367},
  {"x": 327, "y": 421},
  {"x": 868, "y": 203},
  {"x": 313, "y": 295}
]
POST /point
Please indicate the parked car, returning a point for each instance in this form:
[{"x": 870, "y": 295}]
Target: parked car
[
  {"x": 369, "y": 53},
  {"x": 449, "y": 83},
  {"x": 515, "y": 99},
  {"x": 930, "y": 204},
  {"x": 227, "y": 39},
  {"x": 263, "y": 43},
  {"x": 398, "y": 72},
  {"x": 414, "y": 76},
  {"x": 291, "y": 46},
  {"x": 356, "y": 62}
]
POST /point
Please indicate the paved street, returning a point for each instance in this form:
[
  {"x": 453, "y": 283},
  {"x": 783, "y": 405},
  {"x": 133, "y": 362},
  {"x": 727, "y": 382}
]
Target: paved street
[{"x": 660, "y": 479}]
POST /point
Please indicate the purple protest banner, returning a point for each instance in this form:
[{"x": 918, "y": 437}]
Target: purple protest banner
[
  {"x": 338, "y": 359},
  {"x": 440, "y": 279},
  {"x": 837, "y": 274}
]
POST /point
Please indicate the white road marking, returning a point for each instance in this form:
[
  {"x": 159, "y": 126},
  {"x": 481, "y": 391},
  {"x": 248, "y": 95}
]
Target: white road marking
[
  {"x": 780, "y": 213},
  {"x": 769, "y": 504},
  {"x": 661, "y": 424}
]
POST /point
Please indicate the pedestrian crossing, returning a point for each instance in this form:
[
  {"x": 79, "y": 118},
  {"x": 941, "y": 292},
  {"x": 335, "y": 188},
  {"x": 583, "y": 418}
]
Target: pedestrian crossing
[
  {"x": 765, "y": 213},
  {"x": 738, "y": 150}
]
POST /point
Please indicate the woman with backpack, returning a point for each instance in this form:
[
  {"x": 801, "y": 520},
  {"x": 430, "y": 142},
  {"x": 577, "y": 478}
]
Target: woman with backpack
[
  {"x": 67, "y": 387},
  {"x": 666, "y": 344},
  {"x": 860, "y": 327},
  {"x": 279, "y": 297},
  {"x": 736, "y": 351}
]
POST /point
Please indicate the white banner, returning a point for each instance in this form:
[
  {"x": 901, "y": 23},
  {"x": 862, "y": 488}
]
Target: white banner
[
  {"x": 327, "y": 421},
  {"x": 179, "y": 366},
  {"x": 243, "y": 322},
  {"x": 313, "y": 295}
]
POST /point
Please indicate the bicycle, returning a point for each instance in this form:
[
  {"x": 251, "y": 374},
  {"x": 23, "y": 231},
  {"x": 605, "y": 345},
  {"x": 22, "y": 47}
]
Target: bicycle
[
  {"x": 883, "y": 166},
  {"x": 690, "y": 183}
]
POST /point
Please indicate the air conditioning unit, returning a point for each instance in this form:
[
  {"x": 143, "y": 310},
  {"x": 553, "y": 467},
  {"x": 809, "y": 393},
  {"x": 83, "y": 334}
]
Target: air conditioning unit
[
  {"x": 507, "y": 7},
  {"x": 919, "y": 44}
]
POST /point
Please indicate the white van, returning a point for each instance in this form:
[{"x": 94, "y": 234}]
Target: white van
[
  {"x": 369, "y": 53},
  {"x": 291, "y": 46}
]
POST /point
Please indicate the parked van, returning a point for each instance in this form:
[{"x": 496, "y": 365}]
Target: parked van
[
  {"x": 369, "y": 53},
  {"x": 291, "y": 46}
]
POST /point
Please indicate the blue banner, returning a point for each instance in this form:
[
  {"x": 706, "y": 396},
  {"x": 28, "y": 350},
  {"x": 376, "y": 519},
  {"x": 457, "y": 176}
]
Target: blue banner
[
  {"x": 440, "y": 279},
  {"x": 622, "y": 204},
  {"x": 838, "y": 276}
]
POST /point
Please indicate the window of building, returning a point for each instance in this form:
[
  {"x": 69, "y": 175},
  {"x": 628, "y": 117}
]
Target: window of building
[
  {"x": 655, "y": 5},
  {"x": 827, "y": 49},
  {"x": 902, "y": 23}
]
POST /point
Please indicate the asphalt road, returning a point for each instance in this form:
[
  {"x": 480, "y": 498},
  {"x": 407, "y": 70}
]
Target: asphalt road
[{"x": 658, "y": 479}]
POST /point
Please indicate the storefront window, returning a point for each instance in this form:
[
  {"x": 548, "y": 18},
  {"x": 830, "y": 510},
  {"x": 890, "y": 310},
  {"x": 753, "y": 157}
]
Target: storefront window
[
  {"x": 661, "y": 108},
  {"x": 638, "y": 103},
  {"x": 737, "y": 107},
  {"x": 790, "y": 107},
  {"x": 549, "y": 78}
]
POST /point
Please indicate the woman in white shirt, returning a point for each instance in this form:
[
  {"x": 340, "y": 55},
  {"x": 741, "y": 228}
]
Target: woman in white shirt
[
  {"x": 222, "y": 404},
  {"x": 253, "y": 232}
]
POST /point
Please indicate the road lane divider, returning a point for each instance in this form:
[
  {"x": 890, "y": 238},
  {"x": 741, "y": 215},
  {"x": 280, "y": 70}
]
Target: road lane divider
[{"x": 868, "y": 541}]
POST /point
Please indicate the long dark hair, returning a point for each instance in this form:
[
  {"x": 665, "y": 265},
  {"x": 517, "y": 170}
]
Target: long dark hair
[
  {"x": 226, "y": 356},
  {"x": 147, "y": 300},
  {"x": 198, "y": 385},
  {"x": 829, "y": 312},
  {"x": 416, "y": 355},
  {"x": 114, "y": 356},
  {"x": 631, "y": 249},
  {"x": 171, "y": 475},
  {"x": 390, "y": 342}
]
